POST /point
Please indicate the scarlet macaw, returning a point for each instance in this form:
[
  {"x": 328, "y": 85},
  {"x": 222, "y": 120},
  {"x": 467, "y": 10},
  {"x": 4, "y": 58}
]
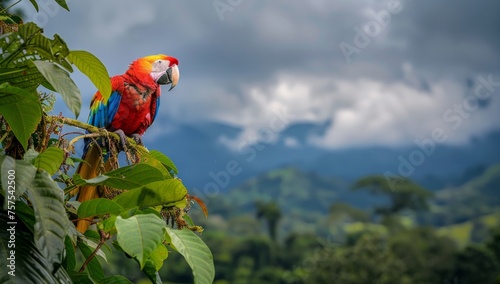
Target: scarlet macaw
[{"x": 129, "y": 111}]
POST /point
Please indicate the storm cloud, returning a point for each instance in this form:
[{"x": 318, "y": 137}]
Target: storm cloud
[{"x": 243, "y": 61}]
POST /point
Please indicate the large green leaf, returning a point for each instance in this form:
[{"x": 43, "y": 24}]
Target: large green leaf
[
  {"x": 29, "y": 44},
  {"x": 19, "y": 46},
  {"x": 139, "y": 235},
  {"x": 98, "y": 207},
  {"x": 50, "y": 215},
  {"x": 24, "y": 77},
  {"x": 24, "y": 175},
  {"x": 62, "y": 83},
  {"x": 196, "y": 253},
  {"x": 169, "y": 192},
  {"x": 21, "y": 109},
  {"x": 147, "y": 158},
  {"x": 91, "y": 66},
  {"x": 50, "y": 160},
  {"x": 30, "y": 265},
  {"x": 128, "y": 177},
  {"x": 166, "y": 161}
]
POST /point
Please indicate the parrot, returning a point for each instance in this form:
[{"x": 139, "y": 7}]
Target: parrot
[{"x": 129, "y": 112}]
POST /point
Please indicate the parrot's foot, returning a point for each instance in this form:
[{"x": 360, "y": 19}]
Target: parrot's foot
[
  {"x": 137, "y": 138},
  {"x": 123, "y": 139}
]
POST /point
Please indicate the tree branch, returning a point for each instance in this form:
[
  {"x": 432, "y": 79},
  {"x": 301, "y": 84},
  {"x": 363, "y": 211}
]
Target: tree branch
[
  {"x": 90, "y": 128},
  {"x": 104, "y": 238}
]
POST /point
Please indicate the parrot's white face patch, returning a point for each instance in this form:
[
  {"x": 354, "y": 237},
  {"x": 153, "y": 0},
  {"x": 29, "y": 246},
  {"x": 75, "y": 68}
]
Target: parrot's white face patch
[
  {"x": 159, "y": 68},
  {"x": 160, "y": 65}
]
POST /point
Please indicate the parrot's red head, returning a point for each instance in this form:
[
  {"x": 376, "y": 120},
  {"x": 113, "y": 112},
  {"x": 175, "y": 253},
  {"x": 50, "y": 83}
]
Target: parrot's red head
[{"x": 162, "y": 69}]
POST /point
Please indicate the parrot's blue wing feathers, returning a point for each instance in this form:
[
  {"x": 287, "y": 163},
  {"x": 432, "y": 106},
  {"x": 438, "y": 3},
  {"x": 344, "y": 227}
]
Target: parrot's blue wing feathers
[{"x": 102, "y": 114}]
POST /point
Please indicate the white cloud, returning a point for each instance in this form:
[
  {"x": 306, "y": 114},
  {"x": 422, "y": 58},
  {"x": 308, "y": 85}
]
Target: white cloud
[
  {"x": 255, "y": 52},
  {"x": 364, "y": 111}
]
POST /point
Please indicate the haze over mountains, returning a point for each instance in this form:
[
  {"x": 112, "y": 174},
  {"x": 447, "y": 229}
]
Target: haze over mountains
[{"x": 208, "y": 164}]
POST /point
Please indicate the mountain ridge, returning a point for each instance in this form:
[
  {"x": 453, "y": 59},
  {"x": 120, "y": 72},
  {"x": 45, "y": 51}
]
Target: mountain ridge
[{"x": 199, "y": 154}]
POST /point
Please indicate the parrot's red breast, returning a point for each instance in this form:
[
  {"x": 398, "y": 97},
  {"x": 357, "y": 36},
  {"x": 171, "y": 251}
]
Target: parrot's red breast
[{"x": 135, "y": 99}]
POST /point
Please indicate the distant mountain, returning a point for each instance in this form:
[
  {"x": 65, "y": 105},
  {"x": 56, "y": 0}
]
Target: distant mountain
[
  {"x": 478, "y": 197},
  {"x": 200, "y": 156},
  {"x": 306, "y": 198},
  {"x": 290, "y": 188},
  {"x": 484, "y": 188}
]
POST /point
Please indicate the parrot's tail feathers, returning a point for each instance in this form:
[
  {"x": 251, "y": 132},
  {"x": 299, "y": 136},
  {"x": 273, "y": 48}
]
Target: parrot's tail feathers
[{"x": 88, "y": 169}]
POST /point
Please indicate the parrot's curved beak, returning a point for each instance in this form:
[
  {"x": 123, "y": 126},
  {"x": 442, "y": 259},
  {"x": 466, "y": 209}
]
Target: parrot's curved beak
[
  {"x": 174, "y": 76},
  {"x": 171, "y": 76}
]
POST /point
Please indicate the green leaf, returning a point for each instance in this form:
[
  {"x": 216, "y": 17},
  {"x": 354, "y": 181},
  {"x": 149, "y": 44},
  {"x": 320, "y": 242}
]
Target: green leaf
[
  {"x": 62, "y": 83},
  {"x": 188, "y": 219},
  {"x": 30, "y": 265},
  {"x": 98, "y": 207},
  {"x": 151, "y": 272},
  {"x": 63, "y": 4},
  {"x": 159, "y": 255},
  {"x": 30, "y": 155},
  {"x": 24, "y": 175},
  {"x": 49, "y": 160},
  {"x": 35, "y": 5},
  {"x": 60, "y": 51},
  {"x": 27, "y": 77},
  {"x": 115, "y": 279},
  {"x": 80, "y": 278},
  {"x": 147, "y": 158},
  {"x": 94, "y": 267},
  {"x": 109, "y": 225},
  {"x": 196, "y": 253},
  {"x": 167, "y": 193},
  {"x": 21, "y": 109},
  {"x": 166, "y": 161},
  {"x": 69, "y": 261},
  {"x": 128, "y": 177},
  {"x": 26, "y": 215},
  {"x": 51, "y": 220},
  {"x": 139, "y": 235},
  {"x": 91, "y": 66}
]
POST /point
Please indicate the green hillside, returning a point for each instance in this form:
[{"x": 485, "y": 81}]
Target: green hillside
[
  {"x": 289, "y": 226},
  {"x": 474, "y": 199},
  {"x": 476, "y": 230}
]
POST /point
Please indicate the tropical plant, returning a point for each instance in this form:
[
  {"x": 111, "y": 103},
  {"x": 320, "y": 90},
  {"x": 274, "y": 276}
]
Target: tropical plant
[{"x": 40, "y": 244}]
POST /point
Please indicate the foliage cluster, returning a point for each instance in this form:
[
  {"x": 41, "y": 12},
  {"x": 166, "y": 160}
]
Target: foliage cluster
[
  {"x": 145, "y": 223},
  {"x": 388, "y": 243}
]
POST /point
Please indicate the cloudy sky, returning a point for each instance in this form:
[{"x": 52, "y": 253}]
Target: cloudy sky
[{"x": 383, "y": 72}]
